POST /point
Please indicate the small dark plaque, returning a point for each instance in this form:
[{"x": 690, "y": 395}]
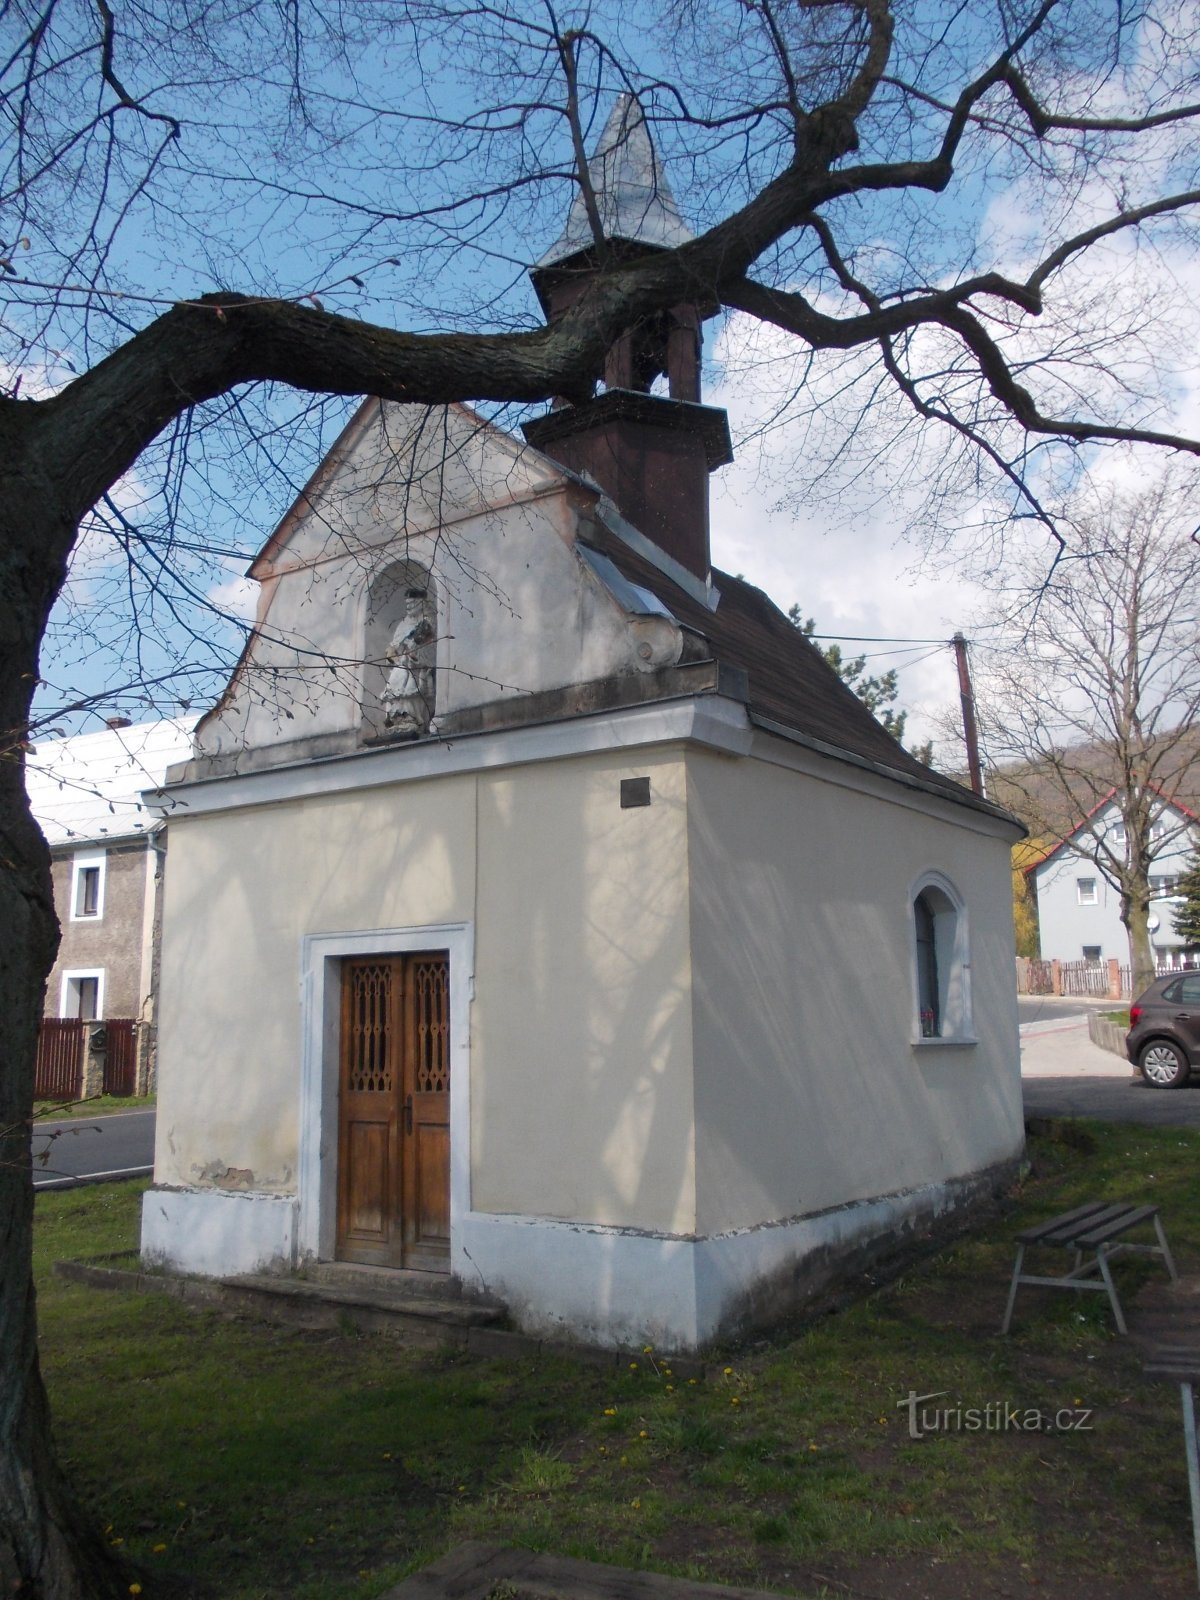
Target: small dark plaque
[{"x": 634, "y": 792}]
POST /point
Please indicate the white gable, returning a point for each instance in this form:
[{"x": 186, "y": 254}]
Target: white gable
[{"x": 489, "y": 526}]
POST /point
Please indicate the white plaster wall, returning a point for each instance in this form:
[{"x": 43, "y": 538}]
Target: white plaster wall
[
  {"x": 217, "y": 1234},
  {"x": 242, "y": 888},
  {"x": 581, "y": 1086},
  {"x": 810, "y": 1092},
  {"x": 581, "y": 1035}
]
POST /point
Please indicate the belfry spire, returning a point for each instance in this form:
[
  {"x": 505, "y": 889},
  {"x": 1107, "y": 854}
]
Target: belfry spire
[{"x": 651, "y": 453}]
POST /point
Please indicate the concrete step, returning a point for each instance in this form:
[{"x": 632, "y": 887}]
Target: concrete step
[
  {"x": 388, "y": 1280},
  {"x": 372, "y": 1299}
]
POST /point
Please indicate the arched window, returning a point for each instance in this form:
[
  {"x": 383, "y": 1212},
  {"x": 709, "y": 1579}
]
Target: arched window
[{"x": 941, "y": 961}]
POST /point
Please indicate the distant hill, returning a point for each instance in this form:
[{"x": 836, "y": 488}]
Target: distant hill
[{"x": 1034, "y": 793}]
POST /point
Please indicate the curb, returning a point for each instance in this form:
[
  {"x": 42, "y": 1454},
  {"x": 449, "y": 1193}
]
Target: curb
[{"x": 1109, "y": 1036}]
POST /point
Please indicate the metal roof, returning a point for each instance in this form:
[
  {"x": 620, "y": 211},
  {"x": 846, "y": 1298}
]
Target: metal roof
[
  {"x": 632, "y": 194},
  {"x": 87, "y": 788}
]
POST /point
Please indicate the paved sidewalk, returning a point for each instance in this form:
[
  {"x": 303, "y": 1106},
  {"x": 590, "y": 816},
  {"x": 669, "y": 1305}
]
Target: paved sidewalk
[{"x": 1063, "y": 1074}]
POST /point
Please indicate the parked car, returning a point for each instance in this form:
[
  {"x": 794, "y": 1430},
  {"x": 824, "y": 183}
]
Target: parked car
[{"x": 1163, "y": 1040}]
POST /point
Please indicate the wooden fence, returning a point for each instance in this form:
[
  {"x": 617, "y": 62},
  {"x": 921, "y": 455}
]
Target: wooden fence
[
  {"x": 120, "y": 1056},
  {"x": 68, "y": 1047},
  {"x": 1097, "y": 980},
  {"x": 1086, "y": 978},
  {"x": 62, "y": 1043}
]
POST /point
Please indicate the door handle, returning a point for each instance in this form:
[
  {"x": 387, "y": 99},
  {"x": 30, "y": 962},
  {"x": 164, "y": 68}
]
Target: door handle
[{"x": 408, "y": 1114}]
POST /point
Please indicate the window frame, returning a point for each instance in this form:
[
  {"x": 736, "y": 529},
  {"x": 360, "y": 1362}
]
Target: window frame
[
  {"x": 88, "y": 861},
  {"x": 1094, "y": 899},
  {"x": 951, "y": 959},
  {"x": 73, "y": 976}
]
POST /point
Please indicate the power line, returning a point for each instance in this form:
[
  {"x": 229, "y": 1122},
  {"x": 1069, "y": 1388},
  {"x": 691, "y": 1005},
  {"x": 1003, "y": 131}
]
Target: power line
[{"x": 872, "y": 638}]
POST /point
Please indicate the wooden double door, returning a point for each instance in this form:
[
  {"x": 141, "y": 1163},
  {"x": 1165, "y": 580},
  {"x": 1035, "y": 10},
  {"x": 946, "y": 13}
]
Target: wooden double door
[{"x": 394, "y": 1112}]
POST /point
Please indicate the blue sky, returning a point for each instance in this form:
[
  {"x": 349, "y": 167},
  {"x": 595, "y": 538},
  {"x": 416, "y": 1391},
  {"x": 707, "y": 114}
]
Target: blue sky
[{"x": 243, "y": 202}]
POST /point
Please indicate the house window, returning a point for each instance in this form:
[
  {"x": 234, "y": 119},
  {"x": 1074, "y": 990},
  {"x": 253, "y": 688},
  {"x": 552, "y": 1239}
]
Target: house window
[
  {"x": 82, "y": 994},
  {"x": 87, "y": 888},
  {"x": 941, "y": 965},
  {"x": 1163, "y": 885},
  {"x": 1085, "y": 892},
  {"x": 1091, "y": 952}
]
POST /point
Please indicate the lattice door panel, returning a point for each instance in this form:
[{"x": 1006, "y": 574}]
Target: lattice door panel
[
  {"x": 394, "y": 1111},
  {"x": 370, "y": 1068},
  {"x": 431, "y": 984}
]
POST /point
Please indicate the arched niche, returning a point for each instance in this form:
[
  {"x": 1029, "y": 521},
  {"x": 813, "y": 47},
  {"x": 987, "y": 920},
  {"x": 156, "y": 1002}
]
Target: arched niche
[{"x": 400, "y": 653}]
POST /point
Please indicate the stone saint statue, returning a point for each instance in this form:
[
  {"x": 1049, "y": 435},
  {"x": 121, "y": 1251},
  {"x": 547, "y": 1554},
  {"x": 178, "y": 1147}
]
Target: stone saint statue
[{"x": 407, "y": 697}]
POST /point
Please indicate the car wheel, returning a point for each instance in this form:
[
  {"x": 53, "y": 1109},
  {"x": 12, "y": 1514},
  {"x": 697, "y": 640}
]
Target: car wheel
[{"x": 1164, "y": 1065}]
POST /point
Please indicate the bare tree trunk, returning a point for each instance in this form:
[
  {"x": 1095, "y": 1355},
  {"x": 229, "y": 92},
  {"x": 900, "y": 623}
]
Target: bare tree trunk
[
  {"x": 47, "y": 1551},
  {"x": 1135, "y": 914}
]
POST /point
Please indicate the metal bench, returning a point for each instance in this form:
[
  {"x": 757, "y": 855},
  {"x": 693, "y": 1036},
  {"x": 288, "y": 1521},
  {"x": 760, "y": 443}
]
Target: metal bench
[
  {"x": 1089, "y": 1232},
  {"x": 1183, "y": 1367}
]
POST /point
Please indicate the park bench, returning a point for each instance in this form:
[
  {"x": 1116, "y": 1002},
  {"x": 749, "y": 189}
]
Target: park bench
[
  {"x": 1182, "y": 1366},
  {"x": 1091, "y": 1233}
]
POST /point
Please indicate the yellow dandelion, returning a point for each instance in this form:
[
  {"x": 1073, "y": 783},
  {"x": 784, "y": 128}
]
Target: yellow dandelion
[
  {"x": 643, "y": 1434},
  {"x": 734, "y": 1401},
  {"x": 182, "y": 1504},
  {"x": 633, "y": 1366},
  {"x": 116, "y": 1541},
  {"x": 135, "y": 1588},
  {"x": 667, "y": 1374},
  {"x": 812, "y": 1447},
  {"x": 691, "y": 1383},
  {"x": 462, "y": 1488},
  {"x": 636, "y": 1504},
  {"x": 647, "y": 1349},
  {"x": 387, "y": 1456},
  {"x": 158, "y": 1549},
  {"x": 729, "y": 1372},
  {"x": 610, "y": 1411},
  {"x": 670, "y": 1388}
]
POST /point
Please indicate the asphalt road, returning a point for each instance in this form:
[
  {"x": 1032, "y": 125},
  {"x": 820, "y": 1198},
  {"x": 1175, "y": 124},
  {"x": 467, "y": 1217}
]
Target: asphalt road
[
  {"x": 1063, "y": 1074},
  {"x": 87, "y": 1150}
]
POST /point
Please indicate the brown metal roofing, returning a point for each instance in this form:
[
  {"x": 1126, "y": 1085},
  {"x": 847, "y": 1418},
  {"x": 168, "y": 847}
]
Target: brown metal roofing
[{"x": 790, "y": 681}]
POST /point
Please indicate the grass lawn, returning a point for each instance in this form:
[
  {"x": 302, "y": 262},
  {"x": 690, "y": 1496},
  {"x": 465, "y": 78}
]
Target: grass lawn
[
  {"x": 101, "y": 1105},
  {"x": 237, "y": 1461}
]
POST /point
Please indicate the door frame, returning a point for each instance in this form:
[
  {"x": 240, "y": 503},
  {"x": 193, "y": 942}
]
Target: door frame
[{"x": 321, "y": 956}]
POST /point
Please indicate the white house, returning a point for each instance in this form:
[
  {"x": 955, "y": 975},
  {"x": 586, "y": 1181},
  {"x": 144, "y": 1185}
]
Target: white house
[
  {"x": 1079, "y": 909},
  {"x": 543, "y": 910}
]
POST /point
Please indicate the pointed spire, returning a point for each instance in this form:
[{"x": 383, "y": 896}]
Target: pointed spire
[{"x": 632, "y": 194}]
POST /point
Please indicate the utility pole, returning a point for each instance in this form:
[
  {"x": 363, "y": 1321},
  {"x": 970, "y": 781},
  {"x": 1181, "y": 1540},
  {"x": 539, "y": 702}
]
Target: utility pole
[{"x": 970, "y": 729}]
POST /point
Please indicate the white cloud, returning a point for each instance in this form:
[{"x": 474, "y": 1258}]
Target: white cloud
[
  {"x": 237, "y": 597},
  {"x": 843, "y": 558}
]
